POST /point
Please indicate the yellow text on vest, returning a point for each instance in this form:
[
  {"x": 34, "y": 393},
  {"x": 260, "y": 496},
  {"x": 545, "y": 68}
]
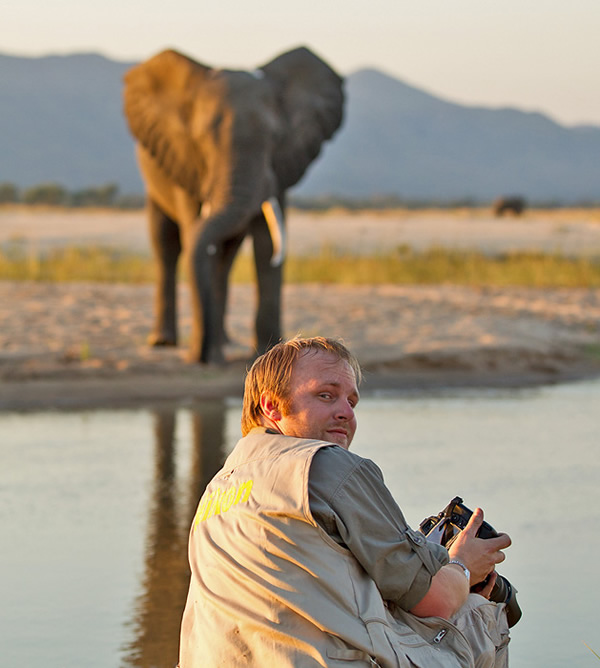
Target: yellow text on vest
[{"x": 221, "y": 500}]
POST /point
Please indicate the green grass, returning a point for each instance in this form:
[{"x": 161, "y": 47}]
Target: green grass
[{"x": 400, "y": 266}]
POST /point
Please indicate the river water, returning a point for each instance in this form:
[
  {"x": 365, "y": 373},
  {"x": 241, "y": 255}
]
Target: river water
[{"x": 95, "y": 508}]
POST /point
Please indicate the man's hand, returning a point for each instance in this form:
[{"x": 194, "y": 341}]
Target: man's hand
[
  {"x": 486, "y": 590},
  {"x": 479, "y": 555}
]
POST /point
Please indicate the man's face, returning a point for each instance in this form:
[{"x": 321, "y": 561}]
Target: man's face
[{"x": 323, "y": 395}]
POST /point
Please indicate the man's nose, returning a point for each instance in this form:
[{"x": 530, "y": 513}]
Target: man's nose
[{"x": 345, "y": 411}]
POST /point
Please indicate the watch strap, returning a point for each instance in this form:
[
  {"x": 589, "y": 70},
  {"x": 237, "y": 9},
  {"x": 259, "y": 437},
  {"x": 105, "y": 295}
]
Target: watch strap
[{"x": 467, "y": 572}]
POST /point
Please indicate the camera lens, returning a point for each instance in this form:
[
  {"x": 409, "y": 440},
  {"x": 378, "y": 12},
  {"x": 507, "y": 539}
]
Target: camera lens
[{"x": 503, "y": 592}]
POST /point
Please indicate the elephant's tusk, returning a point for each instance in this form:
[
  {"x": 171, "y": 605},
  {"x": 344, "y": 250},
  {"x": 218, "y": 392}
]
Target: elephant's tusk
[
  {"x": 274, "y": 217},
  {"x": 205, "y": 210}
]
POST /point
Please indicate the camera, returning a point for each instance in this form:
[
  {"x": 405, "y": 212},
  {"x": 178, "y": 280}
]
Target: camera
[
  {"x": 443, "y": 529},
  {"x": 450, "y": 522}
]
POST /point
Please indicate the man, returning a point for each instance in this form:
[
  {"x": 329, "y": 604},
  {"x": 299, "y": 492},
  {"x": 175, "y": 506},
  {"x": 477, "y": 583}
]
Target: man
[{"x": 301, "y": 557}]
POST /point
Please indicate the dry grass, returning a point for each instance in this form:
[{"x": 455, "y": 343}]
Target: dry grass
[
  {"x": 400, "y": 266},
  {"x": 437, "y": 266},
  {"x": 94, "y": 264}
]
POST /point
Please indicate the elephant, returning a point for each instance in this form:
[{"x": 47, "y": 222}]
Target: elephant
[
  {"x": 217, "y": 150},
  {"x": 514, "y": 204}
]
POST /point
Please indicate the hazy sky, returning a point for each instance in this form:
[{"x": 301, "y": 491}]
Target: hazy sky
[{"x": 539, "y": 55}]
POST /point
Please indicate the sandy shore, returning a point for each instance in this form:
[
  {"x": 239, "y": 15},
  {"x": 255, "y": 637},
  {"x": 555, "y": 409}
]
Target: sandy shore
[{"x": 73, "y": 345}]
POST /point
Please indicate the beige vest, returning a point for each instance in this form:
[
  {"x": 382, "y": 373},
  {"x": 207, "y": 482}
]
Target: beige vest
[{"x": 270, "y": 588}]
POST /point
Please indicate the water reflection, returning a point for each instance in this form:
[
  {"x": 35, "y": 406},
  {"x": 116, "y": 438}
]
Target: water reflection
[
  {"x": 95, "y": 508},
  {"x": 171, "y": 509}
]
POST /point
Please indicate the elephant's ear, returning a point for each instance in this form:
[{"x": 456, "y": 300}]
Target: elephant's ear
[
  {"x": 158, "y": 99},
  {"x": 312, "y": 100}
]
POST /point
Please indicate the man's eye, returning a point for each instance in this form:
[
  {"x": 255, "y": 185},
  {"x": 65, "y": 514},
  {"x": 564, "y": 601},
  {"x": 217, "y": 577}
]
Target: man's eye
[{"x": 325, "y": 395}]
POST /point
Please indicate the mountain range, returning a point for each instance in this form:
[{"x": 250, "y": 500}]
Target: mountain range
[{"x": 61, "y": 121}]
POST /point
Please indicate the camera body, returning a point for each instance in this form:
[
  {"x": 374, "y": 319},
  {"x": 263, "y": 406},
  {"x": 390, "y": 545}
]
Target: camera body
[{"x": 444, "y": 528}]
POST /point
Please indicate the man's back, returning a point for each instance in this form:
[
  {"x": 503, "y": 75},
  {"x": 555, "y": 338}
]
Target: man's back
[{"x": 270, "y": 587}]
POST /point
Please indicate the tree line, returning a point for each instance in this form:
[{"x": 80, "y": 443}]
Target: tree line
[
  {"x": 53, "y": 194},
  {"x": 108, "y": 195}
]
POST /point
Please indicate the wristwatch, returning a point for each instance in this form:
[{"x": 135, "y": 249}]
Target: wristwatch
[{"x": 465, "y": 569}]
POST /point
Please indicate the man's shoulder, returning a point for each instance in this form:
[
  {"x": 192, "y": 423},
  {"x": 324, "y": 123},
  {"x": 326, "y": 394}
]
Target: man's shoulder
[
  {"x": 334, "y": 463},
  {"x": 336, "y": 473},
  {"x": 335, "y": 454}
]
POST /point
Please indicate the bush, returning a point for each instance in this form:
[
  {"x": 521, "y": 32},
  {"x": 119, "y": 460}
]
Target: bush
[
  {"x": 9, "y": 193},
  {"x": 46, "y": 193}
]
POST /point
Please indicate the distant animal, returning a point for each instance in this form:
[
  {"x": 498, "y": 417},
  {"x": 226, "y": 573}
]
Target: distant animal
[
  {"x": 217, "y": 150},
  {"x": 514, "y": 204}
]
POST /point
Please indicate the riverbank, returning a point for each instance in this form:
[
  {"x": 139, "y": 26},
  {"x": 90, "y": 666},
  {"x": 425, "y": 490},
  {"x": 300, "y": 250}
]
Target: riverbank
[
  {"x": 83, "y": 344},
  {"x": 70, "y": 345}
]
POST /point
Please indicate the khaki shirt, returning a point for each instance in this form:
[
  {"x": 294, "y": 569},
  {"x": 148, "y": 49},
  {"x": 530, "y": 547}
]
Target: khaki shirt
[{"x": 349, "y": 499}]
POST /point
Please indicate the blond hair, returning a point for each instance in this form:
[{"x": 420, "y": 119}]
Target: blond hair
[{"x": 271, "y": 373}]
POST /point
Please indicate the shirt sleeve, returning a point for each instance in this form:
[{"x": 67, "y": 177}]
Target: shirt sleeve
[{"x": 348, "y": 498}]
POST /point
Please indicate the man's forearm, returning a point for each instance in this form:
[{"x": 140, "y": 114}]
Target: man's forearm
[{"x": 448, "y": 591}]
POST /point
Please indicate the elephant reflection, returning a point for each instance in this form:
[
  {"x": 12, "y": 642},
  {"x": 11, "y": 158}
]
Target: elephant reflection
[
  {"x": 172, "y": 506},
  {"x": 217, "y": 150}
]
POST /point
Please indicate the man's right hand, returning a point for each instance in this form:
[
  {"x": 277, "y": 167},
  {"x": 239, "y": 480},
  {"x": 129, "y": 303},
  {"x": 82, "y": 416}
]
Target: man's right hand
[{"x": 479, "y": 555}]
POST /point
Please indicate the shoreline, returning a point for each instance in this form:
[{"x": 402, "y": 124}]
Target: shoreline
[
  {"x": 76, "y": 345},
  {"x": 418, "y": 374},
  {"x": 146, "y": 391}
]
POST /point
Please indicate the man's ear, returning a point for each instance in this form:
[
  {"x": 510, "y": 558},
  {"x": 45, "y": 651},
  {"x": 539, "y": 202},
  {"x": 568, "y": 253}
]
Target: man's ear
[{"x": 269, "y": 408}]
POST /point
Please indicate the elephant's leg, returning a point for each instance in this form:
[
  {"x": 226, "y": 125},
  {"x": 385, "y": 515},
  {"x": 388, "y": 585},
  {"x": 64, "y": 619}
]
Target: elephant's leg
[
  {"x": 166, "y": 245},
  {"x": 269, "y": 280}
]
